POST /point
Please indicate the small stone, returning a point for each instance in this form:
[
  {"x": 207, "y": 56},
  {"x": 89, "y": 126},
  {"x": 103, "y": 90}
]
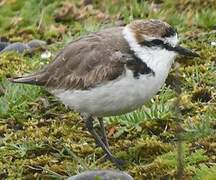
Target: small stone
[
  {"x": 102, "y": 174},
  {"x": 46, "y": 55},
  {"x": 17, "y": 47},
  {"x": 36, "y": 43},
  {"x": 3, "y": 45},
  {"x": 213, "y": 43}
]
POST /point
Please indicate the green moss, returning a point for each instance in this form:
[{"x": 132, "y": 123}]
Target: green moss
[
  {"x": 147, "y": 149},
  {"x": 41, "y": 138},
  {"x": 205, "y": 173}
]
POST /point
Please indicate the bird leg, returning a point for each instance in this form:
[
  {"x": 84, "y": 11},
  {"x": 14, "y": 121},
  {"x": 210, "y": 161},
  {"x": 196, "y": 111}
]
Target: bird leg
[
  {"x": 89, "y": 124},
  {"x": 103, "y": 132}
]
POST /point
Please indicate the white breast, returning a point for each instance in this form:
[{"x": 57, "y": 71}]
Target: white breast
[{"x": 114, "y": 98}]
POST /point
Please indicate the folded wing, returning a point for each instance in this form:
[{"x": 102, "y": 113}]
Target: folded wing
[{"x": 84, "y": 63}]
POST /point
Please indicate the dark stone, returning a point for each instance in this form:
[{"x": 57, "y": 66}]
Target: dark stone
[
  {"x": 3, "y": 45},
  {"x": 36, "y": 43},
  {"x": 102, "y": 175},
  {"x": 17, "y": 47}
]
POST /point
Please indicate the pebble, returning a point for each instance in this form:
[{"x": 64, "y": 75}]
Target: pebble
[
  {"x": 17, "y": 47},
  {"x": 46, "y": 55},
  {"x": 102, "y": 175},
  {"x": 3, "y": 45},
  {"x": 36, "y": 43},
  {"x": 213, "y": 43}
]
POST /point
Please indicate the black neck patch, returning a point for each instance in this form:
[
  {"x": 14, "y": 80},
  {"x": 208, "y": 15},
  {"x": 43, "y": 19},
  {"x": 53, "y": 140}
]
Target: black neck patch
[{"x": 138, "y": 67}]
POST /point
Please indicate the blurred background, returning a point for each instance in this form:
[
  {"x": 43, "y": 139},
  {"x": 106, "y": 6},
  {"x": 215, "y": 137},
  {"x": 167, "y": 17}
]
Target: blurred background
[{"x": 42, "y": 139}]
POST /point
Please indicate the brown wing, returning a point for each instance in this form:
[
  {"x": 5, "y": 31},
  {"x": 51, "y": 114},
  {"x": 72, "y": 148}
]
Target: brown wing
[{"x": 85, "y": 63}]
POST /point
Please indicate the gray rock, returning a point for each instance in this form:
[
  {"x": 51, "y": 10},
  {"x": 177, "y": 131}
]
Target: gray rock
[
  {"x": 17, "y": 47},
  {"x": 36, "y": 43},
  {"x": 3, "y": 45},
  {"x": 102, "y": 175}
]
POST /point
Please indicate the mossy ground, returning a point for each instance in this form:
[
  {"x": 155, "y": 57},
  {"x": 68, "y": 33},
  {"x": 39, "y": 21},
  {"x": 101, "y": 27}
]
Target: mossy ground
[{"x": 42, "y": 139}]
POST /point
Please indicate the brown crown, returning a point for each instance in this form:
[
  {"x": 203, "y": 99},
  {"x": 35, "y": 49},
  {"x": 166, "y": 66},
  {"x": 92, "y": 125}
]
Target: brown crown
[{"x": 152, "y": 28}]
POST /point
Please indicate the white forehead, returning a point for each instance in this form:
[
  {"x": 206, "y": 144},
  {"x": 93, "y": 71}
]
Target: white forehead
[{"x": 173, "y": 40}]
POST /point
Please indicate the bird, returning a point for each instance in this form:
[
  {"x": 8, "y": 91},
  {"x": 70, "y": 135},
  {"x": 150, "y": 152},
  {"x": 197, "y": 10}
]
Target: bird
[{"x": 111, "y": 72}]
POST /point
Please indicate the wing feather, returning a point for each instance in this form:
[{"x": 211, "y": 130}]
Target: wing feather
[{"x": 84, "y": 63}]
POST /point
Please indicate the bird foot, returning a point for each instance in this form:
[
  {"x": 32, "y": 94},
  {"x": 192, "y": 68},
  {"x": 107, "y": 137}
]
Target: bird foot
[{"x": 119, "y": 163}]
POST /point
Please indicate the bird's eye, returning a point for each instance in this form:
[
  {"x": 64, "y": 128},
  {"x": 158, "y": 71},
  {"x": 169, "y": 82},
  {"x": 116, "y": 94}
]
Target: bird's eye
[{"x": 157, "y": 42}]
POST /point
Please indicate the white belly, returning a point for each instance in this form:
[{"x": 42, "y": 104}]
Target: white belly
[{"x": 114, "y": 98}]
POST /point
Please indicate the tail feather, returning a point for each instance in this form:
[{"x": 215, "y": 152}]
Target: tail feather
[{"x": 28, "y": 79}]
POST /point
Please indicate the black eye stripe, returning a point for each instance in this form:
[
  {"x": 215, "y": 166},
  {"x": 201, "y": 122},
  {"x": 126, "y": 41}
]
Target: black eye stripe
[
  {"x": 155, "y": 42},
  {"x": 158, "y": 43}
]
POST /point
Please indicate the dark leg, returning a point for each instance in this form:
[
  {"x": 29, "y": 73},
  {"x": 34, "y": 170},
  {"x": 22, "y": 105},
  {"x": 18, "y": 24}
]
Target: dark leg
[
  {"x": 89, "y": 124},
  {"x": 103, "y": 131}
]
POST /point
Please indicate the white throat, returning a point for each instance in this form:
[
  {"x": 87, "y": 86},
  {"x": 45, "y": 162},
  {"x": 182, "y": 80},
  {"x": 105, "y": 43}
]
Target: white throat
[{"x": 159, "y": 60}]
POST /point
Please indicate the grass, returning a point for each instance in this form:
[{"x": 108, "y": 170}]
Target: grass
[{"x": 40, "y": 138}]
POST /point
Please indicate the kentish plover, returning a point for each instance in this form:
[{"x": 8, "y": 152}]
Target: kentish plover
[{"x": 111, "y": 72}]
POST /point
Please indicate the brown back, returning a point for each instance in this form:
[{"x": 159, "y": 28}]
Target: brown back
[{"x": 86, "y": 62}]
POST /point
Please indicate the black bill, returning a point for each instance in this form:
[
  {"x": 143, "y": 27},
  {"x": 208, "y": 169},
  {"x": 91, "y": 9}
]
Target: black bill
[{"x": 185, "y": 52}]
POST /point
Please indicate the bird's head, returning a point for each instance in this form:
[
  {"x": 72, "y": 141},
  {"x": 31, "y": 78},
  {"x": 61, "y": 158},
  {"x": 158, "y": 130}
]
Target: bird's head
[{"x": 153, "y": 37}]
